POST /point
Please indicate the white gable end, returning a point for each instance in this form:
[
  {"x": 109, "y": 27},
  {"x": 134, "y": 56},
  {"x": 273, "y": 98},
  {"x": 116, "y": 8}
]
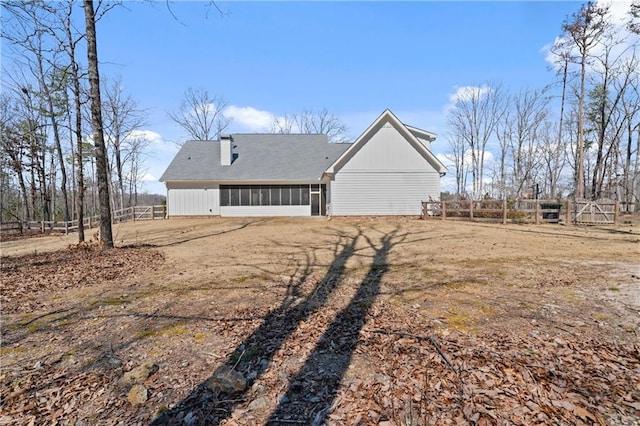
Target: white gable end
[
  {"x": 387, "y": 149},
  {"x": 388, "y": 171}
]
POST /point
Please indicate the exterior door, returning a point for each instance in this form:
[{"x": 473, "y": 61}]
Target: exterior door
[{"x": 315, "y": 204}]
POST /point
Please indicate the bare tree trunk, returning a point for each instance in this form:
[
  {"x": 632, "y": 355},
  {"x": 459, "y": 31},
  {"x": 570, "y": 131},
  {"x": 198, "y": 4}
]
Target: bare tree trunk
[
  {"x": 565, "y": 70},
  {"x": 102, "y": 170},
  {"x": 56, "y": 136},
  {"x": 79, "y": 156}
]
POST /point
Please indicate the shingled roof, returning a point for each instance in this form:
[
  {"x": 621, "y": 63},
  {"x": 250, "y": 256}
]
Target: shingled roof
[{"x": 257, "y": 157}]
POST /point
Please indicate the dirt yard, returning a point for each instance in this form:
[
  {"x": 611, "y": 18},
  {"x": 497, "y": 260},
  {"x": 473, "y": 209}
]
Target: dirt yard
[{"x": 313, "y": 321}]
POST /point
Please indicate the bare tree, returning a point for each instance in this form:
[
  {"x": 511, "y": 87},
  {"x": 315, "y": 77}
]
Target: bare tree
[
  {"x": 614, "y": 68},
  {"x": 562, "y": 52},
  {"x": 530, "y": 111},
  {"x": 320, "y": 122},
  {"x": 634, "y": 17},
  {"x": 473, "y": 119},
  {"x": 102, "y": 169},
  {"x": 201, "y": 115},
  {"x": 70, "y": 41},
  {"x": 505, "y": 134},
  {"x": 12, "y": 147},
  {"x": 29, "y": 32},
  {"x": 553, "y": 157},
  {"x": 122, "y": 117},
  {"x": 584, "y": 29},
  {"x": 457, "y": 154}
]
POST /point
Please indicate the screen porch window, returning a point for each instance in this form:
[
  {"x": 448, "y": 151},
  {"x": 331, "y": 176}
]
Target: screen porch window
[{"x": 265, "y": 195}]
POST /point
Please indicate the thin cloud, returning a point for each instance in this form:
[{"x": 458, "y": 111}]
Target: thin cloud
[
  {"x": 249, "y": 118},
  {"x": 464, "y": 93}
]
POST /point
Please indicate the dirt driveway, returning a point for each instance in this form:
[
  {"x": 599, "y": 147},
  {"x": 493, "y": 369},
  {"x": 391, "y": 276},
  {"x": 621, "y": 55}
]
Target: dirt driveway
[{"x": 312, "y": 321}]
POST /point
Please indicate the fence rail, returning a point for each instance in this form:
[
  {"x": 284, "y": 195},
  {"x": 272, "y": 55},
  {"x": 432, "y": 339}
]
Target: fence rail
[
  {"x": 525, "y": 211},
  {"x": 117, "y": 216}
]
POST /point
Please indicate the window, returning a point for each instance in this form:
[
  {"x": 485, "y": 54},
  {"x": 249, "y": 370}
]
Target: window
[
  {"x": 295, "y": 195},
  {"x": 264, "y": 195},
  {"x": 285, "y": 196},
  {"x": 245, "y": 196},
  {"x": 234, "y": 195},
  {"x": 224, "y": 196},
  {"x": 275, "y": 195}
]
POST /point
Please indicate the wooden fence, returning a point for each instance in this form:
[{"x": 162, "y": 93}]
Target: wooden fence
[
  {"x": 117, "y": 216},
  {"x": 581, "y": 212},
  {"x": 600, "y": 212}
]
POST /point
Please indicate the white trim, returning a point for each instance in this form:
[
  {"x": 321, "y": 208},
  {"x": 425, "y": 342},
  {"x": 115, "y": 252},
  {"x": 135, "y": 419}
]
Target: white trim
[{"x": 388, "y": 117}]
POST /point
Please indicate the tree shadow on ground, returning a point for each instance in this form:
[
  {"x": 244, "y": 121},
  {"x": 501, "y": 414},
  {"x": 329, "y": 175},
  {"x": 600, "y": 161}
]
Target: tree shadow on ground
[
  {"x": 189, "y": 238},
  {"x": 252, "y": 357},
  {"x": 313, "y": 389}
]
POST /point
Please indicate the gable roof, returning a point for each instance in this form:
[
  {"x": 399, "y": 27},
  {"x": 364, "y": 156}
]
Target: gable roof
[
  {"x": 256, "y": 157},
  {"x": 411, "y": 134}
]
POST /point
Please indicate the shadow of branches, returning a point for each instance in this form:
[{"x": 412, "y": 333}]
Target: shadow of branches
[
  {"x": 251, "y": 358},
  {"x": 312, "y": 390}
]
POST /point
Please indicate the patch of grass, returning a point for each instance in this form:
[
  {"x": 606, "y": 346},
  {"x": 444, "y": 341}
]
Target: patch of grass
[
  {"x": 177, "y": 329},
  {"x": 199, "y": 336},
  {"x": 146, "y": 333},
  {"x": 11, "y": 349},
  {"x": 459, "y": 283},
  {"x": 613, "y": 289},
  {"x": 33, "y": 327},
  {"x": 108, "y": 301},
  {"x": 488, "y": 310},
  {"x": 600, "y": 317},
  {"x": 527, "y": 305},
  {"x": 174, "y": 329},
  {"x": 460, "y": 321},
  {"x": 568, "y": 293},
  {"x": 243, "y": 279}
]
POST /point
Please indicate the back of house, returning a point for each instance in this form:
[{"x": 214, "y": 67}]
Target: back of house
[{"x": 388, "y": 170}]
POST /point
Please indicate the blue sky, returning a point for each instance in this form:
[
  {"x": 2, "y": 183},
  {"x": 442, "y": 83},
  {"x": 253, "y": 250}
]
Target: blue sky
[{"x": 356, "y": 59}]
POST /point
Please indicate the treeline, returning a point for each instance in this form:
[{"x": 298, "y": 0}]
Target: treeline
[
  {"x": 578, "y": 137},
  {"x": 47, "y": 143}
]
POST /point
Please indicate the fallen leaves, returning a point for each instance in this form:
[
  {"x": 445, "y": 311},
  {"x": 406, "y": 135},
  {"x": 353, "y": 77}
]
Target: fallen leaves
[
  {"x": 28, "y": 281},
  {"x": 402, "y": 367}
]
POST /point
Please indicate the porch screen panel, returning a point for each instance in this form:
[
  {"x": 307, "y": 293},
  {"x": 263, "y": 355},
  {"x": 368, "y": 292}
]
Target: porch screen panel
[{"x": 264, "y": 195}]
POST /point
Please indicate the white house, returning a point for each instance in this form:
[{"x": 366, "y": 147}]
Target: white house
[{"x": 388, "y": 170}]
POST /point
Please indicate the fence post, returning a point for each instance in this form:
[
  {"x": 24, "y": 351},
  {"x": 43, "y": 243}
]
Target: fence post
[
  {"x": 616, "y": 212},
  {"x": 153, "y": 212},
  {"x": 66, "y": 228},
  {"x": 537, "y": 212},
  {"x": 568, "y": 220},
  {"x": 504, "y": 211},
  {"x": 133, "y": 213},
  {"x": 42, "y": 226},
  {"x": 444, "y": 210},
  {"x": 471, "y": 210},
  {"x": 164, "y": 211}
]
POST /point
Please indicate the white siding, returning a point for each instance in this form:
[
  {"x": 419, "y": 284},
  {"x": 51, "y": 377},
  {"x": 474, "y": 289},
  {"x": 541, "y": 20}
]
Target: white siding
[
  {"x": 382, "y": 193},
  {"x": 387, "y": 176},
  {"x": 197, "y": 201},
  {"x": 265, "y": 211},
  {"x": 387, "y": 150}
]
